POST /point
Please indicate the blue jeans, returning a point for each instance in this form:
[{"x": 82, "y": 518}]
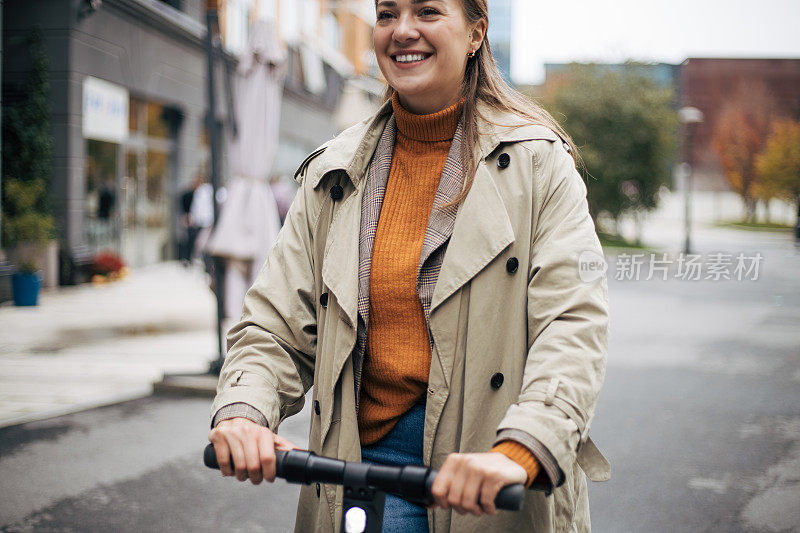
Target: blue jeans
[{"x": 401, "y": 446}]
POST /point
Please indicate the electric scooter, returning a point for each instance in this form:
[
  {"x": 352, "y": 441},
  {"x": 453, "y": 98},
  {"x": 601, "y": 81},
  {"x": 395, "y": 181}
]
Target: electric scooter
[{"x": 366, "y": 485}]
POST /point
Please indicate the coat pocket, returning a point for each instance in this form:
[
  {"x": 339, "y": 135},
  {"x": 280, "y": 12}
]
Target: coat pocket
[{"x": 592, "y": 462}]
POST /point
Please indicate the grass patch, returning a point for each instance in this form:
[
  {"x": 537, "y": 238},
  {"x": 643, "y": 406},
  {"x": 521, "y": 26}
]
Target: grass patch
[
  {"x": 608, "y": 240},
  {"x": 755, "y": 226}
]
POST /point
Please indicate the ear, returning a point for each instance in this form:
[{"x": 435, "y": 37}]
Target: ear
[{"x": 477, "y": 34}]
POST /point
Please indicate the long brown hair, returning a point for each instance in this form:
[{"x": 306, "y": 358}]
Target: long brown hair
[{"x": 483, "y": 83}]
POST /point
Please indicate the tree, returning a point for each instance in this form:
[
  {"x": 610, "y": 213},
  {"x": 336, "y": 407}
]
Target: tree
[
  {"x": 739, "y": 136},
  {"x": 624, "y": 126},
  {"x": 27, "y": 163},
  {"x": 778, "y": 165}
]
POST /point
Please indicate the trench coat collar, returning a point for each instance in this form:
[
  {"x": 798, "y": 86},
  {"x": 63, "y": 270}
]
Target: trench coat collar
[
  {"x": 351, "y": 151},
  {"x": 496, "y": 127}
]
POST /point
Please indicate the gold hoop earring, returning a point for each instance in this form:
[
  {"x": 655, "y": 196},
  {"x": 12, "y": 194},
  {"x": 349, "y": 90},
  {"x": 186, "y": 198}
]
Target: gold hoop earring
[{"x": 470, "y": 54}]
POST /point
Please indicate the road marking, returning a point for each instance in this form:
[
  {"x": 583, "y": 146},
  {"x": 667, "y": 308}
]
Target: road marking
[{"x": 720, "y": 486}]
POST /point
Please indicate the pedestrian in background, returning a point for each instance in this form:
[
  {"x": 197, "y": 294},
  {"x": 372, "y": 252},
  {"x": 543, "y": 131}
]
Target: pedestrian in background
[
  {"x": 197, "y": 215},
  {"x": 201, "y": 214},
  {"x": 186, "y": 236},
  {"x": 426, "y": 284}
]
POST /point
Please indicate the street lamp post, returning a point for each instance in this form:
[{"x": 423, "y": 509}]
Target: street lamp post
[
  {"x": 689, "y": 117},
  {"x": 212, "y": 24}
]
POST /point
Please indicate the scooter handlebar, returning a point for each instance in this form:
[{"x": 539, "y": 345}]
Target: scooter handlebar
[{"x": 300, "y": 466}]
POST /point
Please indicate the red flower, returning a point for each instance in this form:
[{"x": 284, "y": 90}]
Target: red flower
[{"x": 106, "y": 263}]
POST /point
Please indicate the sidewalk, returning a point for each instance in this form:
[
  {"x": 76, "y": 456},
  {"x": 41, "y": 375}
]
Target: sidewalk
[{"x": 93, "y": 345}]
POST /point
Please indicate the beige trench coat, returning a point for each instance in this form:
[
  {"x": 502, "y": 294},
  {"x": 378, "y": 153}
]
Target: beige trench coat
[{"x": 542, "y": 327}]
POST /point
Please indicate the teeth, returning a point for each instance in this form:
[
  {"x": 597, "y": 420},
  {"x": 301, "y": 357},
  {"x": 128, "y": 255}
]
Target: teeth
[{"x": 408, "y": 58}]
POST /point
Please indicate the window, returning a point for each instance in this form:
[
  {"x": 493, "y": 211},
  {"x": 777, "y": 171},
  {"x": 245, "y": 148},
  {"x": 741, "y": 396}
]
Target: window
[{"x": 177, "y": 4}]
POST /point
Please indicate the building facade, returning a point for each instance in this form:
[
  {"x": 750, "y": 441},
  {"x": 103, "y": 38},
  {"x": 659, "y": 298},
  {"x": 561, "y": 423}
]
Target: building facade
[
  {"x": 500, "y": 33},
  {"x": 128, "y": 104}
]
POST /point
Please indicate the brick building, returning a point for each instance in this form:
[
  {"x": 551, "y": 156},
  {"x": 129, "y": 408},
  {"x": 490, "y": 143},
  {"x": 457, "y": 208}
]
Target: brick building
[{"x": 710, "y": 84}]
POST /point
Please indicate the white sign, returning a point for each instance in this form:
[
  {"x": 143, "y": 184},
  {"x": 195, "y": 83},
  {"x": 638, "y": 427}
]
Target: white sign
[{"x": 105, "y": 110}]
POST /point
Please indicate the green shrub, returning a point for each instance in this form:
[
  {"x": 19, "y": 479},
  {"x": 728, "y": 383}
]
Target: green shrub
[{"x": 27, "y": 157}]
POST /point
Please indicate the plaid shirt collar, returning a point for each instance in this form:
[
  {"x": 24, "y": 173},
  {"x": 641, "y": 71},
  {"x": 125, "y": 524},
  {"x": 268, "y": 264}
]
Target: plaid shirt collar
[
  {"x": 440, "y": 227},
  {"x": 440, "y": 224}
]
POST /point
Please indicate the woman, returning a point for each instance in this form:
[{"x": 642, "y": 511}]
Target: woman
[{"x": 426, "y": 284}]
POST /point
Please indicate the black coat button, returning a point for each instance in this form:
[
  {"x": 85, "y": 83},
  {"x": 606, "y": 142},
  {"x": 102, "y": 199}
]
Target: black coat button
[
  {"x": 497, "y": 381},
  {"x": 512, "y": 265},
  {"x": 503, "y": 160},
  {"x": 317, "y": 490},
  {"x": 323, "y": 299},
  {"x": 316, "y": 406},
  {"x": 337, "y": 192}
]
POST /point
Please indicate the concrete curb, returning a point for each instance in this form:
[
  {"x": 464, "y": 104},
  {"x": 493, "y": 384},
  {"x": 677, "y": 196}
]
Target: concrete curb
[
  {"x": 103, "y": 401},
  {"x": 202, "y": 385}
]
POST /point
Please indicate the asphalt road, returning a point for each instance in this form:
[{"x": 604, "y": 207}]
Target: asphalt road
[
  {"x": 133, "y": 467},
  {"x": 700, "y": 413},
  {"x": 700, "y": 417}
]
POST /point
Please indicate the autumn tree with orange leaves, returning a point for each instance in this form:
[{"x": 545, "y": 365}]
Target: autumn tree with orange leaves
[
  {"x": 739, "y": 136},
  {"x": 778, "y": 165}
]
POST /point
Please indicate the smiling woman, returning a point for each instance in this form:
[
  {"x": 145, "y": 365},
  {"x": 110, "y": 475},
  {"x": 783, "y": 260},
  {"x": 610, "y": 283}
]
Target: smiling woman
[
  {"x": 426, "y": 283},
  {"x": 422, "y": 50}
]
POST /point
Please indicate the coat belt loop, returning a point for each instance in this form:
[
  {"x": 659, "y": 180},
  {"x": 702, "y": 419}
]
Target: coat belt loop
[{"x": 552, "y": 388}]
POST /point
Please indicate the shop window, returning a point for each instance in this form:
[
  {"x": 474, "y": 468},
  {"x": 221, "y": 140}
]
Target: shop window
[
  {"x": 156, "y": 125},
  {"x": 134, "y": 113},
  {"x": 157, "y": 177},
  {"x": 100, "y": 201}
]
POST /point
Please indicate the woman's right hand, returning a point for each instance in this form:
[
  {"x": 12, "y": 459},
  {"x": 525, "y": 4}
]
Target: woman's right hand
[{"x": 251, "y": 446}]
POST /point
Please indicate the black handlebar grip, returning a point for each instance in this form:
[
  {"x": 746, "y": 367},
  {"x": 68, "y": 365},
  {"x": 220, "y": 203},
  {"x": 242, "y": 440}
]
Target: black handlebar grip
[
  {"x": 510, "y": 497},
  {"x": 210, "y": 457}
]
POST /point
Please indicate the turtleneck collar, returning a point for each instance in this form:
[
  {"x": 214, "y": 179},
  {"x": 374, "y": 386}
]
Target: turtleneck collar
[{"x": 439, "y": 126}]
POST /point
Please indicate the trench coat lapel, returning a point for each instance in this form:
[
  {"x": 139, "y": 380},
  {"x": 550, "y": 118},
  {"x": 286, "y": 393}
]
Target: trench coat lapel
[
  {"x": 482, "y": 230},
  {"x": 349, "y": 153},
  {"x": 340, "y": 264},
  {"x": 482, "y": 227}
]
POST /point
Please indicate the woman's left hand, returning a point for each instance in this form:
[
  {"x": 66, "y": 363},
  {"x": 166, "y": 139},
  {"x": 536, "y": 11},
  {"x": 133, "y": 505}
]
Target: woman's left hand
[{"x": 469, "y": 482}]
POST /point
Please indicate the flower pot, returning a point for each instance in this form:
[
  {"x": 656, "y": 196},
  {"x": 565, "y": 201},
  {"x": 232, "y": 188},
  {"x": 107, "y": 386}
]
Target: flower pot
[
  {"x": 43, "y": 254},
  {"x": 25, "y": 287}
]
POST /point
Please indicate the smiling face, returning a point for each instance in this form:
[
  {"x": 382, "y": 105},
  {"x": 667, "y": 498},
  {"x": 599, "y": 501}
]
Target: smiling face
[{"x": 422, "y": 47}]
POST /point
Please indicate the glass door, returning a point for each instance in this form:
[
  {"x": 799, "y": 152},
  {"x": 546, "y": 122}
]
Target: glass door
[
  {"x": 130, "y": 238},
  {"x": 145, "y": 189}
]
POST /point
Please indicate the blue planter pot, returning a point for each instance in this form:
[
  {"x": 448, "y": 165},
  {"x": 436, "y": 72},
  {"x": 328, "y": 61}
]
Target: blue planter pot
[{"x": 25, "y": 288}]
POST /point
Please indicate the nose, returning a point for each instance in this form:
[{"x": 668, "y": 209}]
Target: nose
[{"x": 405, "y": 30}]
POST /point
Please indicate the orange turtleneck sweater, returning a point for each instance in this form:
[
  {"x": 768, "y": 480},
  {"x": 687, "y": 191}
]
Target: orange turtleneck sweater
[{"x": 398, "y": 354}]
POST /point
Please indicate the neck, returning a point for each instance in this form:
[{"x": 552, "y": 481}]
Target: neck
[
  {"x": 427, "y": 105},
  {"x": 430, "y": 127}
]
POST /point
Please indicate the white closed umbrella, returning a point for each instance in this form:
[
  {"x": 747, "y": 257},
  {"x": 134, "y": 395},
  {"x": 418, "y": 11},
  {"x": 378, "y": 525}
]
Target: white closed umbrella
[{"x": 249, "y": 222}]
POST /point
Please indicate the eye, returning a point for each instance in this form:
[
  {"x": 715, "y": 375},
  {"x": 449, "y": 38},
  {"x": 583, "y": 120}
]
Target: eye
[
  {"x": 428, "y": 11},
  {"x": 384, "y": 15}
]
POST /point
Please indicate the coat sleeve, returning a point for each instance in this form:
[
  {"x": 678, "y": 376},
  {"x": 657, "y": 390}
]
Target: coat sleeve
[
  {"x": 270, "y": 360},
  {"x": 567, "y": 317}
]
